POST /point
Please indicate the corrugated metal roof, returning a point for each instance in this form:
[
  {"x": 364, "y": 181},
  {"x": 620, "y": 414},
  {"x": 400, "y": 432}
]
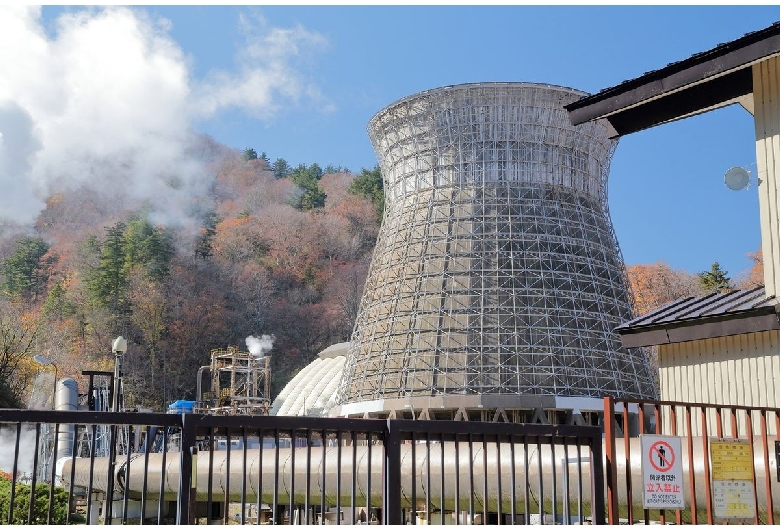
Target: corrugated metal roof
[{"x": 732, "y": 303}]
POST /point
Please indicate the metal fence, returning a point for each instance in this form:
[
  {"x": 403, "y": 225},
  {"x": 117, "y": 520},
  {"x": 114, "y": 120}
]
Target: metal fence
[
  {"x": 293, "y": 470},
  {"x": 698, "y": 425}
]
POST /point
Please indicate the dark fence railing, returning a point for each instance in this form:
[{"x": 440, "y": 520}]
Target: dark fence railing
[
  {"x": 165, "y": 468},
  {"x": 698, "y": 425}
]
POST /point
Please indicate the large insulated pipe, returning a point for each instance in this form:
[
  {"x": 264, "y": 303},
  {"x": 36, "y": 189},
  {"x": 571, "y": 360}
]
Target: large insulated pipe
[
  {"x": 66, "y": 397},
  {"x": 537, "y": 463}
]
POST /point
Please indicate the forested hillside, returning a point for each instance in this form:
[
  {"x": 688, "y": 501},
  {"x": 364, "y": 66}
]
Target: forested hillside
[{"x": 268, "y": 250}]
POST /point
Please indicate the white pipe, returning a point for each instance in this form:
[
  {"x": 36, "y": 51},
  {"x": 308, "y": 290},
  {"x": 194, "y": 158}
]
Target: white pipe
[
  {"x": 220, "y": 474},
  {"x": 65, "y": 398}
]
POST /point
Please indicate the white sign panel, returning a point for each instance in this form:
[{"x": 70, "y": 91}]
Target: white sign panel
[
  {"x": 662, "y": 472},
  {"x": 732, "y": 478}
]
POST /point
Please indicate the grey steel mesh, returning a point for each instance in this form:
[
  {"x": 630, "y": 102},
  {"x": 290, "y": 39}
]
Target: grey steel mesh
[{"x": 496, "y": 270}]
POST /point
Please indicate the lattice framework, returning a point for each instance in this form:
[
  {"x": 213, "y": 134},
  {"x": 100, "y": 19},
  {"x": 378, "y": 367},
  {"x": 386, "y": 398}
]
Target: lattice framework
[{"x": 497, "y": 270}]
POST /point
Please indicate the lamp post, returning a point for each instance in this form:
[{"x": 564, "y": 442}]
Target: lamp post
[
  {"x": 119, "y": 347},
  {"x": 40, "y": 359}
]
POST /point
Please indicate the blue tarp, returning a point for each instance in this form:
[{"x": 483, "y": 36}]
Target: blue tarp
[{"x": 181, "y": 405}]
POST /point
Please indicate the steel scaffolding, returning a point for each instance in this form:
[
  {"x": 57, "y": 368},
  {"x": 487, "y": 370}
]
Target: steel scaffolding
[{"x": 496, "y": 270}]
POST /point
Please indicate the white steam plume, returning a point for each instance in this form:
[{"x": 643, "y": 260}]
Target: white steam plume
[
  {"x": 108, "y": 101},
  {"x": 24, "y": 462},
  {"x": 259, "y": 346}
]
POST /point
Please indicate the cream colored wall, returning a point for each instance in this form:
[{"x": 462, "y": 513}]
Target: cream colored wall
[
  {"x": 766, "y": 108},
  {"x": 737, "y": 370}
]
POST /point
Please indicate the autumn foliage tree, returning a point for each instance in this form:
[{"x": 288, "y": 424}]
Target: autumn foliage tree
[
  {"x": 250, "y": 262},
  {"x": 657, "y": 284}
]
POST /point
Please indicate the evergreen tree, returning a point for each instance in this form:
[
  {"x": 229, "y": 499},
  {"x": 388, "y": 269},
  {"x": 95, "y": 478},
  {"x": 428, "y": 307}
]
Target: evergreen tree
[
  {"x": 250, "y": 154},
  {"x": 264, "y": 157},
  {"x": 311, "y": 196},
  {"x": 369, "y": 186},
  {"x": 281, "y": 168},
  {"x": 108, "y": 282},
  {"x": 24, "y": 273},
  {"x": 715, "y": 280}
]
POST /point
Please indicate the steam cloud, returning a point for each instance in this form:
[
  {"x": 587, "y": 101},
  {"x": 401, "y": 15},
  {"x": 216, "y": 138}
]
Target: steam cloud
[
  {"x": 109, "y": 102},
  {"x": 259, "y": 346},
  {"x": 24, "y": 464}
]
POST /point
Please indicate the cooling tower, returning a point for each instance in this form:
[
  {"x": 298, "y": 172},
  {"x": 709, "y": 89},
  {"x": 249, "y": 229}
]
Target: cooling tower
[{"x": 497, "y": 280}]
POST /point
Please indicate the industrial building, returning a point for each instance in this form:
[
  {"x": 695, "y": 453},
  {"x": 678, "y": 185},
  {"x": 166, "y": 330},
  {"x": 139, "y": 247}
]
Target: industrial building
[{"x": 497, "y": 280}]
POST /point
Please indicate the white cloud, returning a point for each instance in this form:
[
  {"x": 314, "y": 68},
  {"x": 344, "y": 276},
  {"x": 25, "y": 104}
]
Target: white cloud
[{"x": 109, "y": 102}]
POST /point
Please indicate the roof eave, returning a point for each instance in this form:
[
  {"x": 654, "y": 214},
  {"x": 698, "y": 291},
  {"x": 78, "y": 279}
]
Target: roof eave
[{"x": 700, "y": 83}]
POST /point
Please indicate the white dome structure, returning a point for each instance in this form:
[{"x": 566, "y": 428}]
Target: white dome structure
[{"x": 312, "y": 392}]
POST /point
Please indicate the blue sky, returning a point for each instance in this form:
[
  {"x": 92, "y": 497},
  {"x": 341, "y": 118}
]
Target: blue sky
[{"x": 301, "y": 83}]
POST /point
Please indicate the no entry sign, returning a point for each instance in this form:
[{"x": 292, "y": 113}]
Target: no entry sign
[{"x": 662, "y": 472}]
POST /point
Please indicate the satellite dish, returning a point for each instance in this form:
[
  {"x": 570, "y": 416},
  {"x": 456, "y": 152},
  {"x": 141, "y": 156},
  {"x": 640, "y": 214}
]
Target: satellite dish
[{"x": 737, "y": 178}]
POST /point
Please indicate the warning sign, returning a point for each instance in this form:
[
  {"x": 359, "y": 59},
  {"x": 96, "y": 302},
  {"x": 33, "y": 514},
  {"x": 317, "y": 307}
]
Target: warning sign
[
  {"x": 662, "y": 472},
  {"x": 732, "y": 478}
]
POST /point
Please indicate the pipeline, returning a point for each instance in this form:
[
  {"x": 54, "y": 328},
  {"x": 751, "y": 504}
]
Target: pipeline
[{"x": 545, "y": 458}]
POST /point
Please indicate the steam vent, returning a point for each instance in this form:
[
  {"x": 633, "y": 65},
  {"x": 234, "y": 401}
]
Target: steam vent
[{"x": 497, "y": 278}]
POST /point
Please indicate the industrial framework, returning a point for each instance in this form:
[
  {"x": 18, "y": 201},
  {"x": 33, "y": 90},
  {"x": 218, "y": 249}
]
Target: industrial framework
[{"x": 496, "y": 272}]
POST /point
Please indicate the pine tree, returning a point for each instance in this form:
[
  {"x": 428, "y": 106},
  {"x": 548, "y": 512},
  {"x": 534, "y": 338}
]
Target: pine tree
[
  {"x": 715, "y": 280},
  {"x": 24, "y": 272}
]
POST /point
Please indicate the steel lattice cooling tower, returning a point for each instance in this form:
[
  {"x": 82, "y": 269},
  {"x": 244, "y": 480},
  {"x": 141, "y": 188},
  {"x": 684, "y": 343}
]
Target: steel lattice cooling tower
[{"x": 497, "y": 274}]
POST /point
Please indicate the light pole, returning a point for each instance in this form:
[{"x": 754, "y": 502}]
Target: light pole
[
  {"x": 119, "y": 347},
  {"x": 40, "y": 359}
]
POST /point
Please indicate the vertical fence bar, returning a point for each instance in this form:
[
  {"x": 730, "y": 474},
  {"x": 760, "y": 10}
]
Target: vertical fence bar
[
  {"x": 162, "y": 475},
  {"x": 210, "y": 487},
  {"x": 691, "y": 469},
  {"x": 338, "y": 476},
  {"x": 242, "y": 516},
  {"x": 512, "y": 478},
  {"x": 186, "y": 492},
  {"x": 580, "y": 511},
  {"x": 127, "y": 474},
  {"x": 145, "y": 482},
  {"x": 749, "y": 421},
  {"x": 498, "y": 477},
  {"x": 260, "y": 451},
  {"x": 705, "y": 456},
  {"x": 627, "y": 456},
  {"x": 353, "y": 493},
  {"x": 108, "y": 515},
  {"x": 554, "y": 482},
  {"x": 541, "y": 482},
  {"x": 611, "y": 460},
  {"x": 427, "y": 478},
  {"x": 91, "y": 475},
  {"x": 527, "y": 480},
  {"x": 657, "y": 412},
  {"x": 275, "y": 510},
  {"x": 457, "y": 480},
  {"x": 471, "y": 478},
  {"x": 767, "y": 475},
  {"x": 441, "y": 474},
  {"x": 74, "y": 452},
  {"x": 484, "y": 481},
  {"x": 307, "y": 497},
  {"x": 597, "y": 472},
  {"x": 734, "y": 426},
  {"x": 31, "y": 504},
  {"x": 641, "y": 411},
  {"x": 226, "y": 494},
  {"x": 414, "y": 478},
  {"x": 566, "y": 506},
  {"x": 52, "y": 473},
  {"x": 291, "y": 509},
  {"x": 14, "y": 472},
  {"x": 673, "y": 420},
  {"x": 392, "y": 503},
  {"x": 324, "y": 438},
  {"x": 368, "y": 475}
]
